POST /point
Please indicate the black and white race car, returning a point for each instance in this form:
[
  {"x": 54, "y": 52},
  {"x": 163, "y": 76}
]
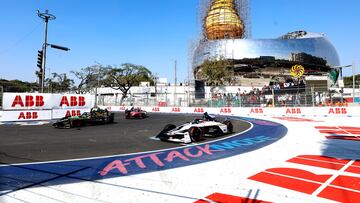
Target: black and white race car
[{"x": 195, "y": 130}]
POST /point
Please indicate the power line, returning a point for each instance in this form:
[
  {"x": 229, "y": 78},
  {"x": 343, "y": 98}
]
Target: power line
[{"x": 20, "y": 40}]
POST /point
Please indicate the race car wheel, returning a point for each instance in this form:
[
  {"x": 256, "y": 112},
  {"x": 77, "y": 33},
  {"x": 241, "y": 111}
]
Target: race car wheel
[
  {"x": 127, "y": 114},
  {"x": 71, "y": 124},
  {"x": 169, "y": 127},
  {"x": 195, "y": 134},
  {"x": 229, "y": 125},
  {"x": 111, "y": 118}
]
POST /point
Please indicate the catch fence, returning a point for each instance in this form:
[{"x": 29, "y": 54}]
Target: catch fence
[{"x": 289, "y": 97}]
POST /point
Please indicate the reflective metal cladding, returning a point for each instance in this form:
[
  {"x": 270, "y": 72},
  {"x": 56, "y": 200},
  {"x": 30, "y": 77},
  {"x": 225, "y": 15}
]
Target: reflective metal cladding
[
  {"x": 314, "y": 51},
  {"x": 317, "y": 46},
  {"x": 259, "y": 58}
]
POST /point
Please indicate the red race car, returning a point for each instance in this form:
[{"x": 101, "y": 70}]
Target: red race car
[{"x": 135, "y": 113}]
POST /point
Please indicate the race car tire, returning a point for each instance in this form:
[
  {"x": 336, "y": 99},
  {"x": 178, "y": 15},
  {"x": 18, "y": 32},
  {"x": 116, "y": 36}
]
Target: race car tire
[
  {"x": 196, "y": 134},
  {"x": 71, "y": 124},
  {"x": 229, "y": 125},
  {"x": 169, "y": 127},
  {"x": 111, "y": 117},
  {"x": 127, "y": 114}
]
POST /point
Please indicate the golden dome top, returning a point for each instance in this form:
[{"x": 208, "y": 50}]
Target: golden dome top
[{"x": 222, "y": 21}]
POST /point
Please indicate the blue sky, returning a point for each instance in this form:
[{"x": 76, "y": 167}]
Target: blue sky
[{"x": 152, "y": 33}]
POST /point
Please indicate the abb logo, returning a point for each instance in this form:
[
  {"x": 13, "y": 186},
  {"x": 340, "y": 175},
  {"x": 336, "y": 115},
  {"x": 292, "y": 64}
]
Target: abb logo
[
  {"x": 293, "y": 111},
  {"x": 342, "y": 184},
  {"x": 175, "y": 109},
  {"x": 28, "y": 101},
  {"x": 225, "y": 110},
  {"x": 73, "y": 113},
  {"x": 122, "y": 108},
  {"x": 256, "y": 110},
  {"x": 199, "y": 110},
  {"x": 28, "y": 115},
  {"x": 155, "y": 109},
  {"x": 73, "y": 101},
  {"x": 337, "y": 111},
  {"x": 161, "y": 103}
]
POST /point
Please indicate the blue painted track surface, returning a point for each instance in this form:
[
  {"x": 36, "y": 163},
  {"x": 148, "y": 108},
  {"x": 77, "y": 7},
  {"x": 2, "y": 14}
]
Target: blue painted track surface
[{"x": 21, "y": 176}]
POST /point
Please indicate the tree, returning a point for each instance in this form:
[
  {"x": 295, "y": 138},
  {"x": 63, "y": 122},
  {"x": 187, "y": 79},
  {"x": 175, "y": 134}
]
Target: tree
[
  {"x": 59, "y": 83},
  {"x": 126, "y": 76},
  {"x": 90, "y": 77},
  {"x": 348, "y": 81},
  {"x": 216, "y": 72},
  {"x": 18, "y": 86}
]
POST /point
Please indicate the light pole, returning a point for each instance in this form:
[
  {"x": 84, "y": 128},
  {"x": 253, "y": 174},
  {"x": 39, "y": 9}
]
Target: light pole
[
  {"x": 341, "y": 77},
  {"x": 175, "y": 81},
  {"x": 46, "y": 17},
  {"x": 98, "y": 82},
  {"x": 353, "y": 73}
]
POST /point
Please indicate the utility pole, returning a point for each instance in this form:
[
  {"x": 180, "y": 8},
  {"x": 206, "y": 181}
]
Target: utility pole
[
  {"x": 46, "y": 17},
  {"x": 175, "y": 85},
  {"x": 353, "y": 87}
]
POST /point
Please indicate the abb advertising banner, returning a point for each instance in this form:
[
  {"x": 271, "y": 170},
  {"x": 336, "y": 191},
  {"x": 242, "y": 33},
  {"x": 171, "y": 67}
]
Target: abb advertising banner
[
  {"x": 337, "y": 111},
  {"x": 252, "y": 111},
  {"x": 34, "y": 101},
  {"x": 59, "y": 113},
  {"x": 26, "y": 115}
]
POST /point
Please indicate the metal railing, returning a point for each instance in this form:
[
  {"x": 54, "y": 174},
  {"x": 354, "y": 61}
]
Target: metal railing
[{"x": 288, "y": 97}]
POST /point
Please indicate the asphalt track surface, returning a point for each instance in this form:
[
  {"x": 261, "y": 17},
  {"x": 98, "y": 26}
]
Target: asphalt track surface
[{"x": 25, "y": 144}]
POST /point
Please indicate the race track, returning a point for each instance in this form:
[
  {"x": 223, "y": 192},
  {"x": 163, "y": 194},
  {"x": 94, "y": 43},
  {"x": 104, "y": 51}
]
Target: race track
[
  {"x": 268, "y": 159},
  {"x": 38, "y": 143}
]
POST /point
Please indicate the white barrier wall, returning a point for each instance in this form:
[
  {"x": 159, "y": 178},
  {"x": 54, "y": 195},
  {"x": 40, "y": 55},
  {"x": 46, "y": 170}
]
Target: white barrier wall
[
  {"x": 254, "y": 111},
  {"x": 35, "y": 115},
  {"x": 33, "y": 101},
  {"x": 26, "y": 115},
  {"x": 59, "y": 113},
  {"x": 42, "y": 106}
]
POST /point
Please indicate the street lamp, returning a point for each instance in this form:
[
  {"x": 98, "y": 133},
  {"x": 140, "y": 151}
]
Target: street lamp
[
  {"x": 46, "y": 16},
  {"x": 353, "y": 73},
  {"x": 341, "y": 77}
]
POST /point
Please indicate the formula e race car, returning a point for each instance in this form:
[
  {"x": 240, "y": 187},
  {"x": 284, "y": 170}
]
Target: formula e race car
[
  {"x": 195, "y": 130},
  {"x": 135, "y": 113},
  {"x": 94, "y": 117}
]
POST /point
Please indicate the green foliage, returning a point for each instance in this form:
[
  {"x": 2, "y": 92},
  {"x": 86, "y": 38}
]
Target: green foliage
[
  {"x": 128, "y": 75},
  {"x": 18, "y": 86},
  {"x": 348, "y": 81},
  {"x": 216, "y": 72},
  {"x": 59, "y": 83},
  {"x": 91, "y": 77}
]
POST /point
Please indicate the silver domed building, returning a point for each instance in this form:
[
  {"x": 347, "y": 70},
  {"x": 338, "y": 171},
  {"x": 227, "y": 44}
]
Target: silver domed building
[{"x": 258, "y": 61}]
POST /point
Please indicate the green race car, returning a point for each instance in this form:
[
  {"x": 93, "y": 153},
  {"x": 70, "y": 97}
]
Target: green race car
[{"x": 94, "y": 117}]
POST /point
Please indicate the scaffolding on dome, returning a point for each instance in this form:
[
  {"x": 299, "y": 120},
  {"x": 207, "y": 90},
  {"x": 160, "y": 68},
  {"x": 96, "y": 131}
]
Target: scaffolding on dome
[{"x": 223, "y": 19}]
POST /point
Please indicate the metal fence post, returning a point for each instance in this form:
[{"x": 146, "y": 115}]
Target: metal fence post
[
  {"x": 96, "y": 97},
  {"x": 1, "y": 95},
  {"x": 273, "y": 97},
  {"x": 312, "y": 96}
]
